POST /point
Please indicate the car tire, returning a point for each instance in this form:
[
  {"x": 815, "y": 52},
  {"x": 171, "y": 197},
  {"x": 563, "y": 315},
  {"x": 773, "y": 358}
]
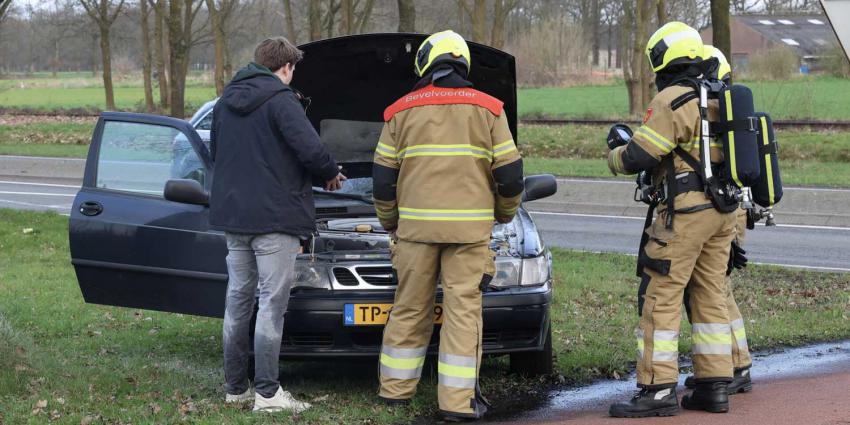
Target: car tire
[{"x": 534, "y": 363}]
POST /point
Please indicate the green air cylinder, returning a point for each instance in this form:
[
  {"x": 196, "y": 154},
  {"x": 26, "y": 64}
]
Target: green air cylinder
[
  {"x": 768, "y": 188},
  {"x": 737, "y": 128}
]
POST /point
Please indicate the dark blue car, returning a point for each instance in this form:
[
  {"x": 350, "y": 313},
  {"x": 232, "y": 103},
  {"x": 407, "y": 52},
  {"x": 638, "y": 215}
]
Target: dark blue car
[{"x": 140, "y": 235}]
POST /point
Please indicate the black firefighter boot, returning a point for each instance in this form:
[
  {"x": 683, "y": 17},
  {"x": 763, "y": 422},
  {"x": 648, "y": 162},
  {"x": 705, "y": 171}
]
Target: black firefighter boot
[
  {"x": 741, "y": 382},
  {"x": 648, "y": 402},
  {"x": 709, "y": 396}
]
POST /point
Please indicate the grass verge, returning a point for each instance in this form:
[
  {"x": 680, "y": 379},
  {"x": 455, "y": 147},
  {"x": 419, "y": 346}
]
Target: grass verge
[
  {"x": 65, "y": 361},
  {"x": 804, "y": 97}
]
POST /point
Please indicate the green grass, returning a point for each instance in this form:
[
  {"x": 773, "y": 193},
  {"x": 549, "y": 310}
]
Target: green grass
[
  {"x": 117, "y": 365},
  {"x": 804, "y": 97},
  {"x": 126, "y": 98}
]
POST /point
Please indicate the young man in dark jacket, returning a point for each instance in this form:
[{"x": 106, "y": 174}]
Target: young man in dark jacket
[{"x": 265, "y": 152}]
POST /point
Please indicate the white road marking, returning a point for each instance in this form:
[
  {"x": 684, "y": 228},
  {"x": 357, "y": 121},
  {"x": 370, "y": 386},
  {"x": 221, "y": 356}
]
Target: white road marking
[
  {"x": 39, "y": 184},
  {"x": 70, "y": 195},
  {"x": 41, "y": 158},
  {"x": 797, "y": 266},
  {"x": 792, "y": 226},
  {"x": 29, "y": 204}
]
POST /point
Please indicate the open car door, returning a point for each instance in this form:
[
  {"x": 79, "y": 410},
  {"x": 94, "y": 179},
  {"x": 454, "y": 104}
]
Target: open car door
[{"x": 132, "y": 247}]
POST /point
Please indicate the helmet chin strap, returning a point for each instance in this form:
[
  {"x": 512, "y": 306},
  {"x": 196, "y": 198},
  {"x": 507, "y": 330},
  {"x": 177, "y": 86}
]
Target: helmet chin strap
[{"x": 445, "y": 75}]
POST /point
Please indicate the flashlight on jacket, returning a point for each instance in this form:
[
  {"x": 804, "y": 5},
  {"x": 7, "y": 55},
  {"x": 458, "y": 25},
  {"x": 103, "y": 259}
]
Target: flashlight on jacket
[{"x": 618, "y": 135}]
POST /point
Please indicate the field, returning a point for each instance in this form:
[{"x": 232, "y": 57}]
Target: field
[
  {"x": 811, "y": 97},
  {"x": 804, "y": 97},
  {"x": 68, "y": 362}
]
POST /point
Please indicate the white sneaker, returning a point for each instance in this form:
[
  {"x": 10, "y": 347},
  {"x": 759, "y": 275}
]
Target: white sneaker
[
  {"x": 282, "y": 400},
  {"x": 245, "y": 397}
]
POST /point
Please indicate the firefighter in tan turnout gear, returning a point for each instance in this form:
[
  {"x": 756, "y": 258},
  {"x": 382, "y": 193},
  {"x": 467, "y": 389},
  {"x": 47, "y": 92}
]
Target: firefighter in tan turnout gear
[
  {"x": 741, "y": 359},
  {"x": 446, "y": 167},
  {"x": 689, "y": 239}
]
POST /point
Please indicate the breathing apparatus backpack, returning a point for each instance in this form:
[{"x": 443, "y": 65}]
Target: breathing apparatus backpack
[{"x": 767, "y": 191}]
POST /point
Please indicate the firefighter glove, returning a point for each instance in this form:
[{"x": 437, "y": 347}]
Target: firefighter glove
[{"x": 737, "y": 259}]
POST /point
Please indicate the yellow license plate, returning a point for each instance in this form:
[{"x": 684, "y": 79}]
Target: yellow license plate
[{"x": 377, "y": 314}]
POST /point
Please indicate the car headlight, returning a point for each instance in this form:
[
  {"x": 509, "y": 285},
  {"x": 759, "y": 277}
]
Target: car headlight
[
  {"x": 309, "y": 274},
  {"x": 535, "y": 271},
  {"x": 507, "y": 272}
]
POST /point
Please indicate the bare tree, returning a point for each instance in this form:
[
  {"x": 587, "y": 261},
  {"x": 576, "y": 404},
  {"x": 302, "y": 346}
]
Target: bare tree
[
  {"x": 181, "y": 15},
  {"x": 501, "y": 10},
  {"x": 635, "y": 71},
  {"x": 314, "y": 17},
  {"x": 103, "y": 13},
  {"x": 219, "y": 15},
  {"x": 406, "y": 16},
  {"x": 721, "y": 33},
  {"x": 159, "y": 50},
  {"x": 290, "y": 22},
  {"x": 144, "y": 13}
]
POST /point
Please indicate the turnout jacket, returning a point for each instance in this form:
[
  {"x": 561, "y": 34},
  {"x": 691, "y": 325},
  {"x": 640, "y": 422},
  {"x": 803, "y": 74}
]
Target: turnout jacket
[
  {"x": 672, "y": 120},
  {"x": 446, "y": 166}
]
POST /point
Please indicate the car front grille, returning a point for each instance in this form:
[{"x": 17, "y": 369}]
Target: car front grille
[{"x": 378, "y": 276}]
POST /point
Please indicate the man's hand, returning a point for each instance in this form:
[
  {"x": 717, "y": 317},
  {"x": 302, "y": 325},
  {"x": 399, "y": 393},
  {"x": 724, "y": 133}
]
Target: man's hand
[{"x": 335, "y": 183}]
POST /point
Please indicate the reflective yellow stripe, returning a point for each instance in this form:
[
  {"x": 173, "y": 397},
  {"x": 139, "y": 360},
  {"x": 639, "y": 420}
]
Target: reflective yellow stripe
[
  {"x": 414, "y": 154},
  {"x": 656, "y": 139},
  {"x": 455, "y": 146},
  {"x": 508, "y": 143},
  {"x": 386, "y": 154},
  {"x": 720, "y": 339},
  {"x": 456, "y": 371},
  {"x": 429, "y": 211},
  {"x": 665, "y": 345},
  {"x": 504, "y": 152},
  {"x": 740, "y": 333},
  {"x": 767, "y": 163},
  {"x": 640, "y": 345},
  {"x": 731, "y": 141},
  {"x": 402, "y": 363},
  {"x": 386, "y": 147}
]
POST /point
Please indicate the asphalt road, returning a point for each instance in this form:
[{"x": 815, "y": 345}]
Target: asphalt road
[{"x": 817, "y": 247}]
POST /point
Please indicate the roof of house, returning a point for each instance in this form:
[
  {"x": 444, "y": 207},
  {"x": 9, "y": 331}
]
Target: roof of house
[{"x": 807, "y": 35}]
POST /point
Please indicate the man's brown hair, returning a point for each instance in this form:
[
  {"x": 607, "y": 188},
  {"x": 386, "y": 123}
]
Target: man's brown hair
[{"x": 273, "y": 53}]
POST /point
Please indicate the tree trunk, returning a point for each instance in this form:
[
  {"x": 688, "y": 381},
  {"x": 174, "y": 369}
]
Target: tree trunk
[
  {"x": 501, "y": 10},
  {"x": 330, "y": 18},
  {"x": 720, "y": 30},
  {"x": 290, "y": 22},
  {"x": 364, "y": 16},
  {"x": 106, "y": 60},
  {"x": 314, "y": 12},
  {"x": 179, "y": 47},
  {"x": 479, "y": 21},
  {"x": 661, "y": 12},
  {"x": 159, "y": 52},
  {"x": 55, "y": 61},
  {"x": 595, "y": 16},
  {"x": 146, "y": 56},
  {"x": 93, "y": 55},
  {"x": 406, "y": 16},
  {"x": 218, "y": 43},
  {"x": 608, "y": 45}
]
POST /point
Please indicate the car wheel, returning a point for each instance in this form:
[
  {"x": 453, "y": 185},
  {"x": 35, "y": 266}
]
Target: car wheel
[{"x": 534, "y": 363}]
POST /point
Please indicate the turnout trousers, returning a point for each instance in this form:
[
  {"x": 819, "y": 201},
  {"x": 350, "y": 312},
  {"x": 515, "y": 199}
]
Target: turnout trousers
[
  {"x": 460, "y": 268},
  {"x": 740, "y": 349},
  {"x": 696, "y": 250}
]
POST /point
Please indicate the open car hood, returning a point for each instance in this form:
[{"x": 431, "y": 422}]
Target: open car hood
[{"x": 351, "y": 80}]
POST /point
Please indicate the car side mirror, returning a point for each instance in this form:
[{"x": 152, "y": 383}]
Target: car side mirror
[
  {"x": 539, "y": 187},
  {"x": 186, "y": 191}
]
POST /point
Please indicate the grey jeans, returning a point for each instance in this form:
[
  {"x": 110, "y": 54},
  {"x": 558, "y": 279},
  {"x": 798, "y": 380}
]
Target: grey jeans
[{"x": 256, "y": 261}]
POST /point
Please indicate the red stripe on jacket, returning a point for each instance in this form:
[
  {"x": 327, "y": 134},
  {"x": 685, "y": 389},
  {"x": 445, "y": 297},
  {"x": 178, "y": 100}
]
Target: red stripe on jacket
[{"x": 431, "y": 95}]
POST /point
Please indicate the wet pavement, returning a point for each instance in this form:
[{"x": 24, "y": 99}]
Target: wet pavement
[{"x": 807, "y": 385}]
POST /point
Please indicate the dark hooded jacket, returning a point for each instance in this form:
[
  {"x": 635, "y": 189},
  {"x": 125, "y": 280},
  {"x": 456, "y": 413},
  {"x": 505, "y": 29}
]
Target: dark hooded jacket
[{"x": 265, "y": 152}]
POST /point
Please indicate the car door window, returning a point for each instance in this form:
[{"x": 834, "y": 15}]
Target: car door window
[{"x": 141, "y": 157}]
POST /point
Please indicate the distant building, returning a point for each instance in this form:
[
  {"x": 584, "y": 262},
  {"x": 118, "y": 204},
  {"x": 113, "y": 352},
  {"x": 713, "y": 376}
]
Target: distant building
[{"x": 809, "y": 37}]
